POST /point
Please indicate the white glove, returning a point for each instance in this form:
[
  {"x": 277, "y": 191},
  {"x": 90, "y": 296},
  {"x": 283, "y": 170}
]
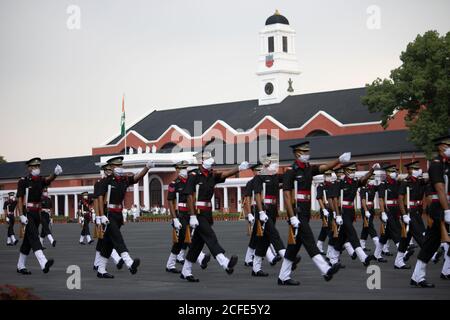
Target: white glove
[
  {"x": 263, "y": 216},
  {"x": 376, "y": 166},
  {"x": 294, "y": 221},
  {"x": 243, "y": 166},
  {"x": 150, "y": 164},
  {"x": 51, "y": 221},
  {"x": 345, "y": 157},
  {"x": 334, "y": 215},
  {"x": 339, "y": 220},
  {"x": 58, "y": 170},
  {"x": 367, "y": 214},
  {"x": 23, "y": 219},
  {"x": 447, "y": 216},
  {"x": 325, "y": 213},
  {"x": 7, "y": 219},
  {"x": 193, "y": 221},
  {"x": 98, "y": 220},
  {"x": 176, "y": 224},
  {"x": 81, "y": 219},
  {"x": 384, "y": 217},
  {"x": 251, "y": 218},
  {"x": 406, "y": 218},
  {"x": 104, "y": 220}
]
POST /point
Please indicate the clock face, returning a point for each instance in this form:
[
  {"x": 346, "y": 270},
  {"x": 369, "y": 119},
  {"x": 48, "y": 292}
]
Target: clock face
[{"x": 268, "y": 88}]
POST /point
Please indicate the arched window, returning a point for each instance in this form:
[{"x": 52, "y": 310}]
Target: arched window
[
  {"x": 267, "y": 144},
  {"x": 317, "y": 133},
  {"x": 167, "y": 148},
  {"x": 155, "y": 193}
]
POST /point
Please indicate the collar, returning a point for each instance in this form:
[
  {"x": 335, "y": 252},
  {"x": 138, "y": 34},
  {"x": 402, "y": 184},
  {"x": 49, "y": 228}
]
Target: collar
[
  {"x": 34, "y": 178},
  {"x": 412, "y": 178},
  {"x": 182, "y": 179},
  {"x": 348, "y": 180},
  {"x": 390, "y": 180},
  {"x": 300, "y": 164},
  {"x": 204, "y": 171}
]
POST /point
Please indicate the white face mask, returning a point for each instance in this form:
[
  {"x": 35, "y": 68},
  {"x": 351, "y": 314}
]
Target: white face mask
[
  {"x": 327, "y": 178},
  {"x": 371, "y": 182},
  {"x": 447, "y": 152},
  {"x": 273, "y": 167},
  {"x": 183, "y": 173},
  {"x": 45, "y": 194},
  {"x": 208, "y": 163},
  {"x": 417, "y": 173},
  {"x": 341, "y": 176},
  {"x": 303, "y": 158},
  {"x": 85, "y": 197},
  {"x": 36, "y": 172},
  {"x": 393, "y": 175},
  {"x": 118, "y": 171}
]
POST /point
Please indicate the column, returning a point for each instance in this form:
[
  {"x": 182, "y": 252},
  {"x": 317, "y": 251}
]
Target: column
[
  {"x": 136, "y": 195},
  {"x": 66, "y": 205},
  {"x": 225, "y": 199},
  {"x": 75, "y": 205},
  {"x": 239, "y": 199},
  {"x": 162, "y": 195},
  {"x": 146, "y": 193},
  {"x": 213, "y": 202},
  {"x": 281, "y": 200},
  {"x": 313, "y": 197},
  {"x": 56, "y": 205}
]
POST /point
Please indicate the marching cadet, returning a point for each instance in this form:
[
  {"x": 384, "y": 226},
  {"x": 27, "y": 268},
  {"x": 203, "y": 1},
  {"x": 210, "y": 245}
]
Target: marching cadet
[
  {"x": 29, "y": 195},
  {"x": 118, "y": 261},
  {"x": 349, "y": 188},
  {"x": 266, "y": 188},
  {"x": 9, "y": 208},
  {"x": 367, "y": 194},
  {"x": 46, "y": 219},
  {"x": 439, "y": 177},
  {"x": 325, "y": 205},
  {"x": 84, "y": 212},
  {"x": 113, "y": 189},
  {"x": 411, "y": 192},
  {"x": 249, "y": 206},
  {"x": 201, "y": 218},
  {"x": 299, "y": 179},
  {"x": 180, "y": 218}
]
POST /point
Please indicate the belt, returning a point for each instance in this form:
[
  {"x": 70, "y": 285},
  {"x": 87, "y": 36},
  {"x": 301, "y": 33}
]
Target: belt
[
  {"x": 33, "y": 205},
  {"x": 270, "y": 200},
  {"x": 116, "y": 208},
  {"x": 369, "y": 203},
  {"x": 182, "y": 207},
  {"x": 392, "y": 202},
  {"x": 347, "y": 203},
  {"x": 303, "y": 196},
  {"x": 203, "y": 205},
  {"x": 415, "y": 203},
  {"x": 435, "y": 197},
  {"x": 46, "y": 210}
]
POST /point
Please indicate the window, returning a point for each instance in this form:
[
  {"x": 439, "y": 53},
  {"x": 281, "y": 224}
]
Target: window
[
  {"x": 317, "y": 133},
  {"x": 271, "y": 44},
  {"x": 167, "y": 148},
  {"x": 155, "y": 193},
  {"x": 285, "y": 44}
]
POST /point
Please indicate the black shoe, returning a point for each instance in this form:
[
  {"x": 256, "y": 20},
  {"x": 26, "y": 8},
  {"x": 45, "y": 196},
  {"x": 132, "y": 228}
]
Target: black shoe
[
  {"x": 413, "y": 246},
  {"x": 24, "y": 271},
  {"x": 421, "y": 284},
  {"x": 16, "y": 242},
  {"x": 341, "y": 266},
  {"x": 334, "y": 269},
  {"x": 404, "y": 267},
  {"x": 354, "y": 256},
  {"x": 408, "y": 255},
  {"x": 180, "y": 261},
  {"x": 44, "y": 248},
  {"x": 382, "y": 260},
  {"x": 173, "y": 270},
  {"x": 366, "y": 250},
  {"x": 438, "y": 256},
  {"x": 189, "y": 278},
  {"x": 260, "y": 273},
  {"x": 327, "y": 259},
  {"x": 275, "y": 260},
  {"x": 54, "y": 243},
  {"x": 205, "y": 261},
  {"x": 231, "y": 264},
  {"x": 387, "y": 254},
  {"x": 49, "y": 263},
  {"x": 90, "y": 242},
  {"x": 9, "y": 244},
  {"x": 133, "y": 269},
  {"x": 95, "y": 268},
  {"x": 288, "y": 282},
  {"x": 105, "y": 275},
  {"x": 368, "y": 259},
  {"x": 445, "y": 277},
  {"x": 249, "y": 264},
  {"x": 322, "y": 253},
  {"x": 296, "y": 262},
  {"x": 82, "y": 243},
  {"x": 119, "y": 264}
]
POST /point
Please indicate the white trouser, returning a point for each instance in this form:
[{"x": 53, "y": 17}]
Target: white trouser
[
  {"x": 269, "y": 255},
  {"x": 127, "y": 259},
  {"x": 187, "y": 268},
  {"x": 363, "y": 243},
  {"x": 50, "y": 238},
  {"x": 399, "y": 262},
  {"x": 321, "y": 264},
  {"x": 171, "y": 262},
  {"x": 257, "y": 264},
  {"x": 348, "y": 247},
  {"x": 420, "y": 271},
  {"x": 446, "y": 266},
  {"x": 22, "y": 261},
  {"x": 200, "y": 257},
  {"x": 41, "y": 258},
  {"x": 181, "y": 255},
  {"x": 115, "y": 256},
  {"x": 320, "y": 245},
  {"x": 81, "y": 238},
  {"x": 222, "y": 260},
  {"x": 249, "y": 255},
  {"x": 102, "y": 261},
  {"x": 285, "y": 271},
  {"x": 361, "y": 254}
]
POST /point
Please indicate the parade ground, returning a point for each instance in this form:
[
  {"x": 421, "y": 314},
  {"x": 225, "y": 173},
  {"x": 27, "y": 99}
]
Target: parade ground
[{"x": 151, "y": 243}]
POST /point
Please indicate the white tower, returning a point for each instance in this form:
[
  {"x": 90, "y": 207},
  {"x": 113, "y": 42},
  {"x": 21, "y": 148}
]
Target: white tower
[{"x": 278, "y": 64}]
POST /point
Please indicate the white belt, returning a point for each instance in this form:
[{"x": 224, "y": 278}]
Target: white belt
[
  {"x": 347, "y": 203},
  {"x": 303, "y": 196},
  {"x": 270, "y": 201},
  {"x": 182, "y": 205},
  {"x": 391, "y": 202},
  {"x": 33, "y": 205},
  {"x": 203, "y": 204},
  {"x": 414, "y": 203},
  {"x": 436, "y": 197},
  {"x": 115, "y": 206},
  {"x": 46, "y": 210},
  {"x": 369, "y": 203}
]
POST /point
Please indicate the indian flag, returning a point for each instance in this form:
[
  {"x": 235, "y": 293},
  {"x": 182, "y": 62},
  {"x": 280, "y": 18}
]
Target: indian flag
[{"x": 122, "y": 119}]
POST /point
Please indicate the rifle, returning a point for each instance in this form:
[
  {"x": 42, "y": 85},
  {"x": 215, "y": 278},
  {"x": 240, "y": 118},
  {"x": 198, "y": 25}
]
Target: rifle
[
  {"x": 383, "y": 224},
  {"x": 366, "y": 221},
  {"x": 325, "y": 202},
  {"x": 444, "y": 232}
]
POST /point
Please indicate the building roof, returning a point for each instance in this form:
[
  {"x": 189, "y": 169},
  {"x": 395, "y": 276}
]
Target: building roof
[
  {"x": 344, "y": 105},
  {"x": 277, "y": 18}
]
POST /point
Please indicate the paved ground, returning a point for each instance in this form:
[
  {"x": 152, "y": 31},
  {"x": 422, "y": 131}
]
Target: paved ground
[{"x": 151, "y": 242}]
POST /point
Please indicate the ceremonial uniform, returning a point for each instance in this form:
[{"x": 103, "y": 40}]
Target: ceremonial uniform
[
  {"x": 325, "y": 192},
  {"x": 84, "y": 206},
  {"x": 9, "y": 208},
  {"x": 249, "y": 196},
  {"x": 367, "y": 194},
  {"x": 46, "y": 212}
]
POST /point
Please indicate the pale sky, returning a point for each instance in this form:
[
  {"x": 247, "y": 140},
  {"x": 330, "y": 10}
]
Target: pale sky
[{"x": 61, "y": 89}]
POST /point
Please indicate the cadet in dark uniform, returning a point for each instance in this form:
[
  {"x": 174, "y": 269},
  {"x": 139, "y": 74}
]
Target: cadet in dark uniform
[
  {"x": 325, "y": 208},
  {"x": 114, "y": 188},
  {"x": 118, "y": 261},
  {"x": 201, "y": 219},
  {"x": 9, "y": 208},
  {"x": 46, "y": 216},
  {"x": 367, "y": 194},
  {"x": 180, "y": 218},
  {"x": 84, "y": 212},
  {"x": 266, "y": 188},
  {"x": 299, "y": 179},
  {"x": 29, "y": 195},
  {"x": 439, "y": 177},
  {"x": 411, "y": 214}
]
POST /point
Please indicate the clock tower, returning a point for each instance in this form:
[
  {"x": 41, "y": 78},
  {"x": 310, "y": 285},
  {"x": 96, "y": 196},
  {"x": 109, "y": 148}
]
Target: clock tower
[{"x": 277, "y": 64}]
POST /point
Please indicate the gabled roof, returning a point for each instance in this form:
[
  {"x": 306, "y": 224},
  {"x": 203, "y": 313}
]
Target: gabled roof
[{"x": 344, "y": 105}]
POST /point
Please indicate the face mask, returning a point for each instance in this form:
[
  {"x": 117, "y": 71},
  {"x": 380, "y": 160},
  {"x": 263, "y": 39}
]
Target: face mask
[
  {"x": 447, "y": 152},
  {"x": 371, "y": 182},
  {"x": 208, "y": 163},
  {"x": 351, "y": 175},
  {"x": 45, "y": 194},
  {"x": 118, "y": 171},
  {"x": 341, "y": 176},
  {"x": 417, "y": 173},
  {"x": 304, "y": 158},
  {"x": 327, "y": 178},
  {"x": 35, "y": 172},
  {"x": 85, "y": 197},
  {"x": 273, "y": 167},
  {"x": 393, "y": 175},
  {"x": 183, "y": 173}
]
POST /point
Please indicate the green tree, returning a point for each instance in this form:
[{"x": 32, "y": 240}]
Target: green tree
[
  {"x": 2, "y": 160},
  {"x": 421, "y": 86}
]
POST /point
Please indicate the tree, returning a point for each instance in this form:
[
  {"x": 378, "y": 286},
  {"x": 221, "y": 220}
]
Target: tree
[
  {"x": 421, "y": 86},
  {"x": 2, "y": 160}
]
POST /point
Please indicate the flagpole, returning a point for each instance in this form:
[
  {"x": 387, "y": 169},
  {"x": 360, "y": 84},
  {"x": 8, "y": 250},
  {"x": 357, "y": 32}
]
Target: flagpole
[{"x": 123, "y": 110}]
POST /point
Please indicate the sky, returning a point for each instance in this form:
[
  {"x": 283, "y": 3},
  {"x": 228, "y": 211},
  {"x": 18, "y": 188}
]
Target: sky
[{"x": 64, "y": 65}]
